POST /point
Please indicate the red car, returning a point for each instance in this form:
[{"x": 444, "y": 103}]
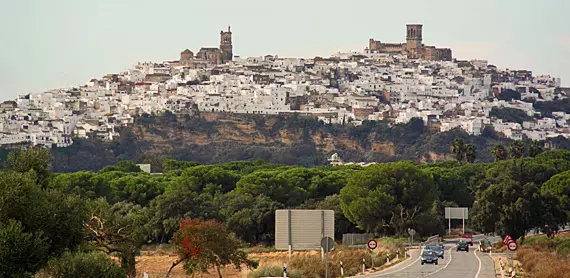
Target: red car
[{"x": 468, "y": 238}]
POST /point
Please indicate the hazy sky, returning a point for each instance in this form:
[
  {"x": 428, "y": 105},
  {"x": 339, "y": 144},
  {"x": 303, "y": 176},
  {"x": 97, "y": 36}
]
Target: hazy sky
[{"x": 58, "y": 43}]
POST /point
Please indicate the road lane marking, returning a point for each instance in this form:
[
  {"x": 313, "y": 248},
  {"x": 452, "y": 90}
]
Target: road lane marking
[
  {"x": 412, "y": 263},
  {"x": 478, "y": 270},
  {"x": 450, "y": 258}
]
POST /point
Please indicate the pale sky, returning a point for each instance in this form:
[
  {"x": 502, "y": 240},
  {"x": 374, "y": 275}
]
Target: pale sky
[{"x": 59, "y": 43}]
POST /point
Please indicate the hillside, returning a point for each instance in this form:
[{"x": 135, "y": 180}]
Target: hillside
[{"x": 287, "y": 139}]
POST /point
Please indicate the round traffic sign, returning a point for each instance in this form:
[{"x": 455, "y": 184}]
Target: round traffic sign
[
  {"x": 412, "y": 232},
  {"x": 372, "y": 244},
  {"x": 327, "y": 244},
  {"x": 512, "y": 246}
]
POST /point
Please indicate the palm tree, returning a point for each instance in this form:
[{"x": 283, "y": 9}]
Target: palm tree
[
  {"x": 470, "y": 153},
  {"x": 499, "y": 152},
  {"x": 458, "y": 148},
  {"x": 534, "y": 148},
  {"x": 516, "y": 149}
]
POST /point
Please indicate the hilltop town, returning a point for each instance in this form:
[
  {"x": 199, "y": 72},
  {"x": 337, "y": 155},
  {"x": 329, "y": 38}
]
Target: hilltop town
[{"x": 392, "y": 82}]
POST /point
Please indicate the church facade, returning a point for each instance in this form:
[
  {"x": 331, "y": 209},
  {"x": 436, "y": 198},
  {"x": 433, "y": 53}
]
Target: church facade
[{"x": 210, "y": 56}]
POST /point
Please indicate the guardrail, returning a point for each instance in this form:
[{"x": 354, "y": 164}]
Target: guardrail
[
  {"x": 435, "y": 238},
  {"x": 356, "y": 239}
]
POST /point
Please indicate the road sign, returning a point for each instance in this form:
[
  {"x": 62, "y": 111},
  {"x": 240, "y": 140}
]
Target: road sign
[
  {"x": 512, "y": 246},
  {"x": 327, "y": 244},
  {"x": 508, "y": 239},
  {"x": 412, "y": 232},
  {"x": 456, "y": 213},
  {"x": 372, "y": 244}
]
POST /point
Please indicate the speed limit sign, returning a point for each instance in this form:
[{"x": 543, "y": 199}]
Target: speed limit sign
[
  {"x": 513, "y": 246},
  {"x": 372, "y": 244}
]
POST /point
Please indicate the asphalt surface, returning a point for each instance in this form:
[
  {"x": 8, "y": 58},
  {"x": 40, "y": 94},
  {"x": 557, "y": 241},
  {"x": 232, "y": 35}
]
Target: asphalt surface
[{"x": 472, "y": 264}]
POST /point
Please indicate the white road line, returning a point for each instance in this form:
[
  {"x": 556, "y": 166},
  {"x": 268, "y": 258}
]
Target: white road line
[
  {"x": 478, "y": 270},
  {"x": 412, "y": 263},
  {"x": 450, "y": 258}
]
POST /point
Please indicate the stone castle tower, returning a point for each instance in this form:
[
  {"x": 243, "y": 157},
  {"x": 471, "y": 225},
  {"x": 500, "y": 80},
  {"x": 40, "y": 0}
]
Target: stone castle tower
[
  {"x": 226, "y": 45},
  {"x": 414, "y": 39}
]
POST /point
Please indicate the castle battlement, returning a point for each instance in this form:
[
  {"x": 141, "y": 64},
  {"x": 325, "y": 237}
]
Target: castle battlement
[{"x": 413, "y": 47}]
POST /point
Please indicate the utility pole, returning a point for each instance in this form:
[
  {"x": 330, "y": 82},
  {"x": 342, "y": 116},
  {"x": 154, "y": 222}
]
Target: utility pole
[{"x": 327, "y": 262}]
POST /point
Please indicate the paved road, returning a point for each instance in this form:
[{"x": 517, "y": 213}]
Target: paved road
[{"x": 472, "y": 264}]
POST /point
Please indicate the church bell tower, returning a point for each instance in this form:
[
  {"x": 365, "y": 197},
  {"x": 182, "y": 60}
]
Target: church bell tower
[
  {"x": 226, "y": 45},
  {"x": 414, "y": 39}
]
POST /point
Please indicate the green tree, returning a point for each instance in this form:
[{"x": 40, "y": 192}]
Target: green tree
[
  {"x": 509, "y": 208},
  {"x": 171, "y": 165},
  {"x": 204, "y": 244},
  {"x": 387, "y": 197},
  {"x": 534, "y": 149},
  {"x": 452, "y": 186},
  {"x": 517, "y": 149},
  {"x": 459, "y": 149},
  {"x": 80, "y": 183},
  {"x": 58, "y": 216},
  {"x": 512, "y": 201},
  {"x": 123, "y": 166},
  {"x": 272, "y": 185},
  {"x": 138, "y": 188},
  {"x": 36, "y": 159},
  {"x": 118, "y": 230},
  {"x": 554, "y": 154},
  {"x": 77, "y": 264},
  {"x": 21, "y": 253},
  {"x": 178, "y": 202},
  {"x": 210, "y": 176},
  {"x": 499, "y": 152},
  {"x": 510, "y": 115},
  {"x": 559, "y": 186},
  {"x": 470, "y": 153},
  {"x": 250, "y": 218},
  {"x": 326, "y": 183}
]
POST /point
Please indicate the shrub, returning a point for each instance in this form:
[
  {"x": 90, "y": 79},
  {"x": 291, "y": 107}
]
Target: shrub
[
  {"x": 273, "y": 271},
  {"x": 561, "y": 246},
  {"x": 313, "y": 266},
  {"x": 93, "y": 264},
  {"x": 21, "y": 253},
  {"x": 538, "y": 262}
]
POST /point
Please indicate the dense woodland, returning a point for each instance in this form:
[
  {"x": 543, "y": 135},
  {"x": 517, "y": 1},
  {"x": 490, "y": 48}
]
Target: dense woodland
[{"x": 59, "y": 223}]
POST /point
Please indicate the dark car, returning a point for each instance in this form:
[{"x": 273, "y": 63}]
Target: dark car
[
  {"x": 429, "y": 257},
  {"x": 437, "y": 249},
  {"x": 468, "y": 238},
  {"x": 462, "y": 245}
]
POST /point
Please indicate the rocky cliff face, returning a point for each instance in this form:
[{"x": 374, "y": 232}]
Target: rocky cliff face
[
  {"x": 241, "y": 130},
  {"x": 284, "y": 139}
]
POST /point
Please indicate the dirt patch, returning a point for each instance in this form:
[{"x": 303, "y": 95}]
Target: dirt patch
[
  {"x": 438, "y": 157},
  {"x": 384, "y": 147},
  {"x": 157, "y": 265}
]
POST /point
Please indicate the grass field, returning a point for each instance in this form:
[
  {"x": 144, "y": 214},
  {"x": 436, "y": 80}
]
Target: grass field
[{"x": 544, "y": 257}]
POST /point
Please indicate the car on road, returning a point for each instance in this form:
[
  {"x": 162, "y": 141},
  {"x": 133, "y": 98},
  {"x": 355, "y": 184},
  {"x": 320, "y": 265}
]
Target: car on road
[
  {"x": 429, "y": 257},
  {"x": 462, "y": 245},
  {"x": 437, "y": 249},
  {"x": 468, "y": 238}
]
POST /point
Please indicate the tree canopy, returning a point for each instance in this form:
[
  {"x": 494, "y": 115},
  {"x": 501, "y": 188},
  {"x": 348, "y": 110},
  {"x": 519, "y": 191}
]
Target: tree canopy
[{"x": 58, "y": 222}]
